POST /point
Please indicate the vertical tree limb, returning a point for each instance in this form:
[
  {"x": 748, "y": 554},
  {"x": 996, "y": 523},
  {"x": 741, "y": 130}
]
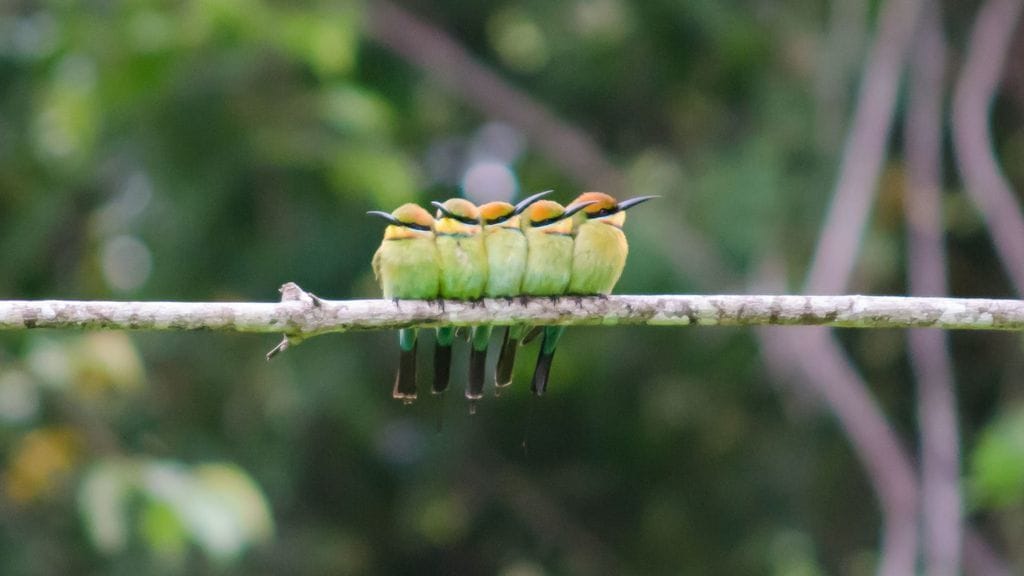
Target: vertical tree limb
[
  {"x": 883, "y": 455},
  {"x": 942, "y": 520},
  {"x": 885, "y": 459},
  {"x": 975, "y": 89},
  {"x": 847, "y": 217}
]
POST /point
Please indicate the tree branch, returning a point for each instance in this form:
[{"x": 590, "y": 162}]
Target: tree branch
[
  {"x": 840, "y": 240},
  {"x": 306, "y": 315},
  {"x": 986, "y": 185},
  {"x": 940, "y": 500}
]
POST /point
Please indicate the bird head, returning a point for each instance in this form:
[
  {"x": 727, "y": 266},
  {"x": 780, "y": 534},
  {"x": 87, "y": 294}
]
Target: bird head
[
  {"x": 407, "y": 221},
  {"x": 551, "y": 217},
  {"x": 506, "y": 215},
  {"x": 499, "y": 215},
  {"x": 603, "y": 208},
  {"x": 457, "y": 216}
]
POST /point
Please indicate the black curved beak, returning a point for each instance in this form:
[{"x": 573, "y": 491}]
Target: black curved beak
[
  {"x": 627, "y": 204},
  {"x": 447, "y": 214},
  {"x": 525, "y": 202},
  {"x": 385, "y": 216},
  {"x": 570, "y": 211},
  {"x": 440, "y": 208}
]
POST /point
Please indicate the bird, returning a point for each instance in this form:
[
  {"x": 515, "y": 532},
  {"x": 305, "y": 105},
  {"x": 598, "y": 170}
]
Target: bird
[
  {"x": 407, "y": 266},
  {"x": 506, "y": 264},
  {"x": 600, "y": 249},
  {"x": 548, "y": 230},
  {"x": 598, "y": 258},
  {"x": 463, "y": 257}
]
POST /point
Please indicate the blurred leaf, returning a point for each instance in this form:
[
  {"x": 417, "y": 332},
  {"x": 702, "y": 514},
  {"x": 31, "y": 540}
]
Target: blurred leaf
[
  {"x": 19, "y": 397},
  {"x": 106, "y": 362},
  {"x": 240, "y": 499},
  {"x": 220, "y": 508},
  {"x": 442, "y": 520},
  {"x": 68, "y": 119},
  {"x": 217, "y": 506},
  {"x": 357, "y": 112},
  {"x": 96, "y": 365},
  {"x": 49, "y": 361},
  {"x": 162, "y": 529},
  {"x": 103, "y": 495},
  {"x": 384, "y": 177},
  {"x": 518, "y": 39},
  {"x": 325, "y": 40},
  {"x": 997, "y": 463},
  {"x": 230, "y": 19},
  {"x": 41, "y": 460}
]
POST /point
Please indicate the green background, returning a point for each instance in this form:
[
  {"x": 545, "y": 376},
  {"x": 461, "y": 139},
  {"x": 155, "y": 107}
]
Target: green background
[{"x": 215, "y": 149}]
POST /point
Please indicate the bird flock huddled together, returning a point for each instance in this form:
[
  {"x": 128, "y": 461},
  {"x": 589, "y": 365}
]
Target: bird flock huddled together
[{"x": 467, "y": 252}]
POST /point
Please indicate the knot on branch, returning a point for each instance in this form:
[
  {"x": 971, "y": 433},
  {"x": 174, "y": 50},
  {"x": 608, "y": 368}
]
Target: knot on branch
[{"x": 312, "y": 306}]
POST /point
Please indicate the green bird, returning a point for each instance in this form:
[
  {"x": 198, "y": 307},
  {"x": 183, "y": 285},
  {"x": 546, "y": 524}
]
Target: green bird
[
  {"x": 506, "y": 264},
  {"x": 548, "y": 230},
  {"x": 600, "y": 250},
  {"x": 407, "y": 267},
  {"x": 463, "y": 257}
]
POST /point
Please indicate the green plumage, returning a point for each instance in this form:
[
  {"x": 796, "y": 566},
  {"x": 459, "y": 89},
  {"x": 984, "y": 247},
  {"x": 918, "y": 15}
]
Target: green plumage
[
  {"x": 548, "y": 271},
  {"x": 408, "y": 268},
  {"x": 463, "y": 261},
  {"x": 599, "y": 256},
  {"x": 506, "y": 261},
  {"x": 548, "y": 263}
]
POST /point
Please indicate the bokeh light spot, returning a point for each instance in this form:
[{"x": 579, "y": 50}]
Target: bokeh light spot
[
  {"x": 488, "y": 182},
  {"x": 126, "y": 263}
]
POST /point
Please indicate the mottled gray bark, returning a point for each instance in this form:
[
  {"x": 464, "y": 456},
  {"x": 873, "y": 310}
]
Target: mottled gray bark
[{"x": 302, "y": 315}]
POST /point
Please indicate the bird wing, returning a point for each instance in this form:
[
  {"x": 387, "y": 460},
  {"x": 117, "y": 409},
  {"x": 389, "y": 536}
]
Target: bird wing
[{"x": 376, "y": 264}]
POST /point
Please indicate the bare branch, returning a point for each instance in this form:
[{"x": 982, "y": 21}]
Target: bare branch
[
  {"x": 883, "y": 455},
  {"x": 980, "y": 559},
  {"x": 829, "y": 371},
  {"x": 941, "y": 518},
  {"x": 847, "y": 217},
  {"x": 975, "y": 89},
  {"x": 306, "y": 318}
]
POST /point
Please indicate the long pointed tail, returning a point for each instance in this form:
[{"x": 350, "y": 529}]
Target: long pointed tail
[
  {"x": 478, "y": 362},
  {"x": 547, "y": 355},
  {"x": 405, "y": 379},
  {"x": 507, "y": 358},
  {"x": 442, "y": 359}
]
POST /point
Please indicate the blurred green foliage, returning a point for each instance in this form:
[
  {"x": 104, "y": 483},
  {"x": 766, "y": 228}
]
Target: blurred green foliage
[{"x": 214, "y": 149}]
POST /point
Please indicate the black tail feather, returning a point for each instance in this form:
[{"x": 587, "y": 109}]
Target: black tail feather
[
  {"x": 405, "y": 380},
  {"x": 532, "y": 334},
  {"x": 506, "y": 361},
  {"x": 442, "y": 367},
  {"x": 541, "y": 372},
  {"x": 477, "y": 364}
]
